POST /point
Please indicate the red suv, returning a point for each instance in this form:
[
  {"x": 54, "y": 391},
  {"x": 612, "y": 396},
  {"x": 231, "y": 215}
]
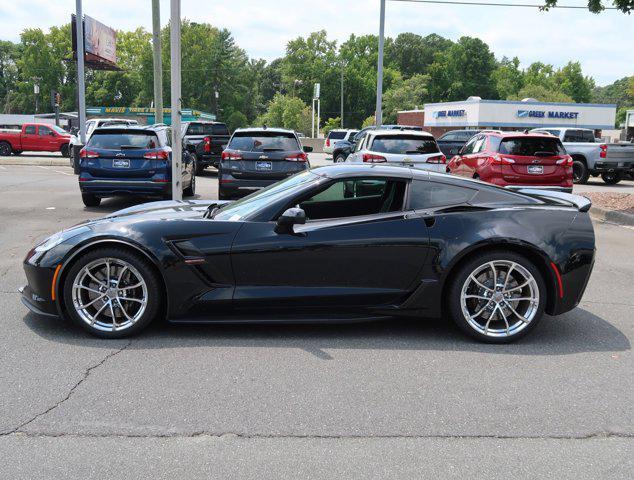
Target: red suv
[{"x": 512, "y": 158}]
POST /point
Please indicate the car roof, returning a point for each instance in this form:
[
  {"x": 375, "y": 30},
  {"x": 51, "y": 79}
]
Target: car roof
[
  {"x": 398, "y": 133},
  {"x": 263, "y": 129},
  {"x": 112, "y": 120},
  {"x": 210, "y": 122},
  {"x": 518, "y": 134}
]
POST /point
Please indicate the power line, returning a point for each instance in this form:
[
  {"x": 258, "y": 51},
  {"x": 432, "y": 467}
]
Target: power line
[{"x": 495, "y": 4}]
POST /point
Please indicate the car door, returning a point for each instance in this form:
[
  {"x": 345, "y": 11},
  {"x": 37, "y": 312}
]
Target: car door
[
  {"x": 30, "y": 138},
  {"x": 367, "y": 251},
  {"x": 459, "y": 164},
  {"x": 470, "y": 160},
  {"x": 47, "y": 140}
]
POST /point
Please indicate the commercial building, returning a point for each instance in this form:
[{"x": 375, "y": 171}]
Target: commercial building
[
  {"x": 146, "y": 115},
  {"x": 477, "y": 113}
]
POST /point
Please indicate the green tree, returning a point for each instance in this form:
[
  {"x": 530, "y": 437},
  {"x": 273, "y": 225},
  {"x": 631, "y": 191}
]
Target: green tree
[
  {"x": 286, "y": 112},
  {"x": 597, "y": 6},
  {"x": 331, "y": 124},
  {"x": 572, "y": 82},
  {"x": 237, "y": 120},
  {"x": 412, "y": 54},
  {"x": 541, "y": 93},
  {"x": 9, "y": 54},
  {"x": 405, "y": 95},
  {"x": 508, "y": 77},
  {"x": 368, "y": 122}
]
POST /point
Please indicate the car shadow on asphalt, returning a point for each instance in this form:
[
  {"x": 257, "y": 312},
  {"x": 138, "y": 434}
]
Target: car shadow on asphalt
[{"x": 578, "y": 331}]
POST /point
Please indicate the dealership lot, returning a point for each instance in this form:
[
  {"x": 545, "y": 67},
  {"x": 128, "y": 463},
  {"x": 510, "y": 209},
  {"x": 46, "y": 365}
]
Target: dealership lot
[{"x": 383, "y": 400}]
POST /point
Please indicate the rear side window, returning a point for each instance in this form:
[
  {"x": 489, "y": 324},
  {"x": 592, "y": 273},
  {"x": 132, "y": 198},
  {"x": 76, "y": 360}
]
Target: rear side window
[
  {"x": 425, "y": 194},
  {"x": 263, "y": 142},
  {"x": 583, "y": 136},
  {"x": 337, "y": 135},
  {"x": 127, "y": 140},
  {"x": 531, "y": 146},
  {"x": 207, "y": 129},
  {"x": 404, "y": 144}
]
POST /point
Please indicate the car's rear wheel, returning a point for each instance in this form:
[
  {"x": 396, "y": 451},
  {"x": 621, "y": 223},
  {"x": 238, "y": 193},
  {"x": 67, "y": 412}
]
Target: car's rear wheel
[
  {"x": 65, "y": 150},
  {"x": 611, "y": 178},
  {"x": 112, "y": 293},
  {"x": 497, "y": 297},
  {"x": 5, "y": 149},
  {"x": 90, "y": 200},
  {"x": 191, "y": 190},
  {"x": 580, "y": 172},
  {"x": 340, "y": 159}
]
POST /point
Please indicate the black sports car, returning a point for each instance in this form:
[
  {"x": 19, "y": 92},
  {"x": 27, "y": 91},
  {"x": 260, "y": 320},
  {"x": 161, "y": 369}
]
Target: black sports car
[{"x": 337, "y": 243}]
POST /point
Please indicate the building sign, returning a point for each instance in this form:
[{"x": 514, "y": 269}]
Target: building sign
[
  {"x": 545, "y": 114},
  {"x": 100, "y": 40},
  {"x": 449, "y": 113}
]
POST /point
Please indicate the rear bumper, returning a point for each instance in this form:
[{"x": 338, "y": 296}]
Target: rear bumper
[
  {"x": 111, "y": 187},
  {"x": 239, "y": 188},
  {"x": 553, "y": 188},
  {"x": 211, "y": 160},
  {"x": 611, "y": 167}
]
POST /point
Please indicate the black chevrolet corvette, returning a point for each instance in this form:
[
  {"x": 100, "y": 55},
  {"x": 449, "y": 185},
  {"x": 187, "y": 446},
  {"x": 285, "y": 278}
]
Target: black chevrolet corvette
[{"x": 333, "y": 244}]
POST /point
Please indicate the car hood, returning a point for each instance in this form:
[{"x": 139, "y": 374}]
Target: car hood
[{"x": 164, "y": 210}]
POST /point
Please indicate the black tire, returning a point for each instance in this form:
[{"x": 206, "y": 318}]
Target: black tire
[
  {"x": 145, "y": 269},
  {"x": 462, "y": 274},
  {"x": 17, "y": 152},
  {"x": 223, "y": 196},
  {"x": 65, "y": 150},
  {"x": 191, "y": 190},
  {"x": 200, "y": 169},
  {"x": 340, "y": 158},
  {"x": 90, "y": 200},
  {"x": 611, "y": 178},
  {"x": 580, "y": 172},
  {"x": 5, "y": 149}
]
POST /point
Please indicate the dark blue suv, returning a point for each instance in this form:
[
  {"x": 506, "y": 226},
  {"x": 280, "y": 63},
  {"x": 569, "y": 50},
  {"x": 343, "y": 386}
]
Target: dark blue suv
[{"x": 131, "y": 161}]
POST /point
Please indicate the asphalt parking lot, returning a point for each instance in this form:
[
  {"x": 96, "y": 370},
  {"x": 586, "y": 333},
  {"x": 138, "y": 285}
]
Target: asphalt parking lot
[{"x": 397, "y": 399}]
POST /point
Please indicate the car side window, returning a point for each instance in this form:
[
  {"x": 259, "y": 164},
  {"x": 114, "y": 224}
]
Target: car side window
[
  {"x": 468, "y": 148},
  {"x": 359, "y": 145},
  {"x": 29, "y": 130},
  {"x": 479, "y": 144},
  {"x": 427, "y": 194},
  {"x": 43, "y": 131},
  {"x": 449, "y": 137},
  {"x": 355, "y": 197}
]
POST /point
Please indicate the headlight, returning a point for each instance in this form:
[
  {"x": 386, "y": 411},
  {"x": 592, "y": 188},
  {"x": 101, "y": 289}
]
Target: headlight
[{"x": 59, "y": 237}]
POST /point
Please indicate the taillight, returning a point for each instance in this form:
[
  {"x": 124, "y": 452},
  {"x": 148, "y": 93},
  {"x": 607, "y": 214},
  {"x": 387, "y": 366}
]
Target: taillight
[
  {"x": 566, "y": 161},
  {"x": 207, "y": 144},
  {"x": 157, "y": 155},
  {"x": 604, "y": 151},
  {"x": 297, "y": 157},
  {"x": 437, "y": 159},
  {"x": 497, "y": 160},
  {"x": 327, "y": 142},
  {"x": 83, "y": 153},
  {"x": 226, "y": 155},
  {"x": 372, "y": 158}
]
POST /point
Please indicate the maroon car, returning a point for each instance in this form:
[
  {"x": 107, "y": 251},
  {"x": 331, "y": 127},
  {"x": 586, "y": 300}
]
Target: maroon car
[{"x": 513, "y": 158}]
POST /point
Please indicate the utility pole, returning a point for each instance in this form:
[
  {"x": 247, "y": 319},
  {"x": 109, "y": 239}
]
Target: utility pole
[
  {"x": 379, "y": 70},
  {"x": 36, "y": 91},
  {"x": 175, "y": 58},
  {"x": 81, "y": 86},
  {"x": 341, "y": 94},
  {"x": 158, "y": 61}
]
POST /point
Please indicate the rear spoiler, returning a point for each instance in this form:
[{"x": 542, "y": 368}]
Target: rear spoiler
[{"x": 583, "y": 204}]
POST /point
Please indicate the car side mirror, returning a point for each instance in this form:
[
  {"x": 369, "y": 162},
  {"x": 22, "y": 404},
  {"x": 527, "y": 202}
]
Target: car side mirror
[
  {"x": 307, "y": 149},
  {"x": 290, "y": 218}
]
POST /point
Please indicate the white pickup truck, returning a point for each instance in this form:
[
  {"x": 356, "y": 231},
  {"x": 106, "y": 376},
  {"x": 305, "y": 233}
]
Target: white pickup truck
[{"x": 612, "y": 161}]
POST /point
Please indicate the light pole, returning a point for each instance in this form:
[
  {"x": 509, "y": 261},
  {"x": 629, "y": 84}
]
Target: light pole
[
  {"x": 158, "y": 61},
  {"x": 379, "y": 70},
  {"x": 175, "y": 58},
  {"x": 81, "y": 86},
  {"x": 343, "y": 65}
]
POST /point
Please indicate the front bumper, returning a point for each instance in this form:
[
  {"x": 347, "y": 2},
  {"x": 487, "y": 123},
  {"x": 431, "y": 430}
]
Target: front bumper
[{"x": 36, "y": 304}]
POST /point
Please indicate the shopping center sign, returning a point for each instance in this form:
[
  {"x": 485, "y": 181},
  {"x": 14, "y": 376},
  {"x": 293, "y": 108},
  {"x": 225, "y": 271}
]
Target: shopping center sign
[{"x": 547, "y": 114}]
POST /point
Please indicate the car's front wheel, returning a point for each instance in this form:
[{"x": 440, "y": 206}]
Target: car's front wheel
[
  {"x": 340, "y": 158},
  {"x": 65, "y": 150},
  {"x": 90, "y": 200},
  {"x": 497, "y": 297},
  {"x": 112, "y": 293}
]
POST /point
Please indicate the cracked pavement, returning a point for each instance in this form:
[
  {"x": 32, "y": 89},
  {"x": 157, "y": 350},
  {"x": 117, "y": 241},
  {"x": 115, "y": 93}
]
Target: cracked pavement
[{"x": 396, "y": 399}]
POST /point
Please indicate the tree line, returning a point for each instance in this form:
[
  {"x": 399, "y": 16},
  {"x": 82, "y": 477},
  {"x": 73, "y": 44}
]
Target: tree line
[{"x": 417, "y": 70}]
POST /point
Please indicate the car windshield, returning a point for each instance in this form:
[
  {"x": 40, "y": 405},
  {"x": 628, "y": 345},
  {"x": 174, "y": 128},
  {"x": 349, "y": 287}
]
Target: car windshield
[
  {"x": 263, "y": 141},
  {"x": 206, "y": 129},
  {"x": 250, "y": 204},
  {"x": 58, "y": 129},
  {"x": 530, "y": 146},
  {"x": 402, "y": 144},
  {"x": 117, "y": 141},
  {"x": 337, "y": 135}
]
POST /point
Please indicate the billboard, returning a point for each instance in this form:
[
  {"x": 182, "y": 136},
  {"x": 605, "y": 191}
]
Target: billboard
[{"x": 100, "y": 40}]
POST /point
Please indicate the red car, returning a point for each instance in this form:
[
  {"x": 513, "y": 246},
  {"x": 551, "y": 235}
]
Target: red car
[
  {"x": 35, "y": 137},
  {"x": 513, "y": 158}
]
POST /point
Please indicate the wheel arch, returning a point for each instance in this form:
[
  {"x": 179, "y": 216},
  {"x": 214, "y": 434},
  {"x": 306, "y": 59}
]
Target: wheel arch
[
  {"x": 130, "y": 246},
  {"x": 539, "y": 258}
]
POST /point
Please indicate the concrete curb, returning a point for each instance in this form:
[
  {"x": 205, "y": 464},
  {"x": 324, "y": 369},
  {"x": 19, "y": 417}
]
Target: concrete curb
[
  {"x": 44, "y": 162},
  {"x": 612, "y": 216}
]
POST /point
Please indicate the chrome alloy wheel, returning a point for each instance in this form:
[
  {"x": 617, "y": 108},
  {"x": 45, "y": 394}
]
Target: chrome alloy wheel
[
  {"x": 109, "y": 294},
  {"x": 499, "y": 298}
]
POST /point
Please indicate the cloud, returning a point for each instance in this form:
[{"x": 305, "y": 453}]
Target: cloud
[{"x": 602, "y": 43}]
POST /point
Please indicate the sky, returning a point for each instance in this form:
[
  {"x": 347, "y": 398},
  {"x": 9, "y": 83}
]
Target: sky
[{"x": 602, "y": 43}]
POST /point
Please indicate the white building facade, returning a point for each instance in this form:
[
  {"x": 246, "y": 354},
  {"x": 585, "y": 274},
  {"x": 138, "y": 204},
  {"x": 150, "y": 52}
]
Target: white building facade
[{"x": 518, "y": 115}]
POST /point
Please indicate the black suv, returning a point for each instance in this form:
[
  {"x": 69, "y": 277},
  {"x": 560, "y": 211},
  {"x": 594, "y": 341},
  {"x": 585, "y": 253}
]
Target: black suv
[
  {"x": 205, "y": 141},
  {"x": 451, "y": 142},
  {"x": 258, "y": 157}
]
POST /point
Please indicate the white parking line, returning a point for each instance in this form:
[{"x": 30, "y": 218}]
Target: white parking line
[
  {"x": 43, "y": 168},
  {"x": 2, "y": 168},
  {"x": 63, "y": 173}
]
